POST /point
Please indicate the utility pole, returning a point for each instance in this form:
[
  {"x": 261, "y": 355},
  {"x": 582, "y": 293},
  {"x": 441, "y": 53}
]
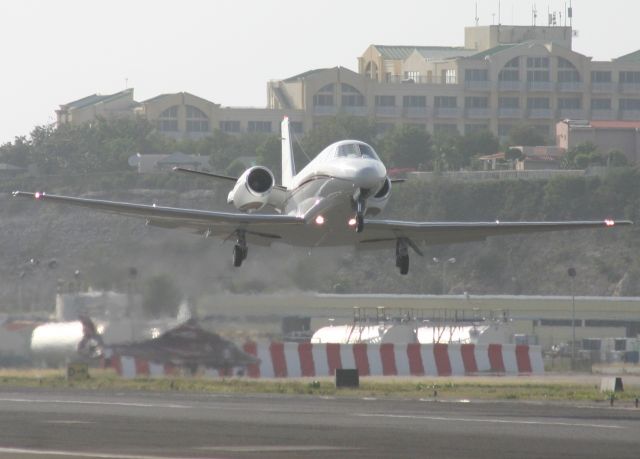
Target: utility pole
[{"x": 572, "y": 274}]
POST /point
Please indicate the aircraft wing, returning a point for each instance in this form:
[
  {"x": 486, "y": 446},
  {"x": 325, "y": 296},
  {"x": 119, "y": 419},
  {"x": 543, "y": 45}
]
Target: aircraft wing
[
  {"x": 259, "y": 228},
  {"x": 384, "y": 232}
]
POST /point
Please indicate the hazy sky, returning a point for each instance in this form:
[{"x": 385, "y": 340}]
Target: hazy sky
[{"x": 54, "y": 52}]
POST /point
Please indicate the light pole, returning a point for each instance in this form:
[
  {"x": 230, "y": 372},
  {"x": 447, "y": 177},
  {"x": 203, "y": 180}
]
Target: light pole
[
  {"x": 451, "y": 260},
  {"x": 572, "y": 274}
]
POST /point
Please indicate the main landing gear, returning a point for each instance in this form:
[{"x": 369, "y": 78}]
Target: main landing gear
[
  {"x": 360, "y": 213},
  {"x": 240, "y": 250},
  {"x": 402, "y": 256}
]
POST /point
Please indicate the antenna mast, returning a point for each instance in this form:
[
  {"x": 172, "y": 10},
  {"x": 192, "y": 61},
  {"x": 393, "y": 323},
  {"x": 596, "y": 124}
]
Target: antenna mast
[{"x": 477, "y": 18}]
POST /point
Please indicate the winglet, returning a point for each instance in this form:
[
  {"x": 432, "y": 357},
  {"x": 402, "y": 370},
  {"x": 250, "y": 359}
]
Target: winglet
[{"x": 288, "y": 165}]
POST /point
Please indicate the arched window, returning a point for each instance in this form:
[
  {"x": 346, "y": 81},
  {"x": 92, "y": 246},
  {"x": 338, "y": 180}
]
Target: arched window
[
  {"x": 510, "y": 71},
  {"x": 371, "y": 70},
  {"x": 324, "y": 97},
  {"x": 351, "y": 97},
  {"x": 197, "y": 121},
  {"x": 168, "y": 120},
  {"x": 567, "y": 72}
]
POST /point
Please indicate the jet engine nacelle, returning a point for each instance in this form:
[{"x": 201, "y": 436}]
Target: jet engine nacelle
[
  {"x": 252, "y": 189},
  {"x": 376, "y": 203}
]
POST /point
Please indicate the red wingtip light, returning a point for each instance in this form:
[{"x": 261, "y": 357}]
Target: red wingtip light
[
  {"x": 319, "y": 220},
  {"x": 609, "y": 222}
]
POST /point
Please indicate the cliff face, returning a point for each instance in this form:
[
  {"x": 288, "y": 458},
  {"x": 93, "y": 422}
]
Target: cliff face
[{"x": 103, "y": 247}]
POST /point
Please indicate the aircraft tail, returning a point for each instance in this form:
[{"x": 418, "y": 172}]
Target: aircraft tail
[
  {"x": 288, "y": 165},
  {"x": 91, "y": 345}
]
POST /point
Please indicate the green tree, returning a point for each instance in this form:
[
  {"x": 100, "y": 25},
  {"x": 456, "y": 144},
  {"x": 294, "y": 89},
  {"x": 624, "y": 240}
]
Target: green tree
[
  {"x": 526, "y": 135},
  {"x": 477, "y": 143},
  {"x": 446, "y": 152},
  {"x": 615, "y": 158},
  {"x": 269, "y": 155},
  {"x": 160, "y": 297},
  {"x": 407, "y": 146}
]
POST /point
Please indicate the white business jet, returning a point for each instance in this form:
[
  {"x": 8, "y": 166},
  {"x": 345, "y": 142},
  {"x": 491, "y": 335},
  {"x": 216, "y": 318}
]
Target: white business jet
[{"x": 327, "y": 203}]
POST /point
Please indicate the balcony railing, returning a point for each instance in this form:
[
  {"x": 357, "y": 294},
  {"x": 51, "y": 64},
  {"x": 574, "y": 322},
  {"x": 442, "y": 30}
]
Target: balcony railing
[
  {"x": 606, "y": 114},
  {"x": 630, "y": 87},
  {"x": 545, "y": 86},
  {"x": 387, "y": 111},
  {"x": 510, "y": 85},
  {"x": 603, "y": 87},
  {"x": 509, "y": 113},
  {"x": 632, "y": 115},
  {"x": 570, "y": 86},
  {"x": 447, "y": 112},
  {"x": 478, "y": 113},
  {"x": 540, "y": 113},
  {"x": 325, "y": 110},
  {"x": 416, "y": 112},
  {"x": 571, "y": 113},
  {"x": 354, "y": 110},
  {"x": 482, "y": 85}
]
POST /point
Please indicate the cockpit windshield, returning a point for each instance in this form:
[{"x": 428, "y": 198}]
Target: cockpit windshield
[{"x": 356, "y": 150}]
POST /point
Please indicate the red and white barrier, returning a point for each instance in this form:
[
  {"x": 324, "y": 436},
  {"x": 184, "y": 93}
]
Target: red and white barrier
[{"x": 293, "y": 360}]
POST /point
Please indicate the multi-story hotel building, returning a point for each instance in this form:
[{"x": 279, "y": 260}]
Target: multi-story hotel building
[{"x": 502, "y": 76}]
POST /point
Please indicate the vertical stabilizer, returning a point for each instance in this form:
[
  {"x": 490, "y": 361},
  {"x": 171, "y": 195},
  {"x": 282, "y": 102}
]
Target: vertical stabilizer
[{"x": 288, "y": 166}]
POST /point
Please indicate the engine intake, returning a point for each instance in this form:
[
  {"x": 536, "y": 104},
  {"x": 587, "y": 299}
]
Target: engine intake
[{"x": 252, "y": 189}]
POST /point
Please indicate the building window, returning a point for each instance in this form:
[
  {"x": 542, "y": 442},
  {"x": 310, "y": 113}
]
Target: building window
[
  {"x": 600, "y": 76},
  {"x": 630, "y": 77},
  {"x": 230, "y": 126},
  {"x": 570, "y": 103},
  {"x": 476, "y": 75},
  {"x": 197, "y": 121},
  {"x": 538, "y": 102},
  {"x": 509, "y": 102},
  {"x": 567, "y": 73},
  {"x": 511, "y": 71},
  {"x": 450, "y": 76},
  {"x": 296, "y": 127},
  {"x": 601, "y": 104},
  {"x": 630, "y": 104},
  {"x": 414, "y": 101},
  {"x": 412, "y": 75},
  {"x": 168, "y": 120},
  {"x": 476, "y": 102},
  {"x": 351, "y": 97},
  {"x": 385, "y": 101},
  {"x": 538, "y": 69},
  {"x": 324, "y": 97},
  {"x": 259, "y": 126},
  {"x": 445, "y": 102}
]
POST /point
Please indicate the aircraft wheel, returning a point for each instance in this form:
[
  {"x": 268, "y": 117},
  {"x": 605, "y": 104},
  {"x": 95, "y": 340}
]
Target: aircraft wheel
[
  {"x": 239, "y": 254},
  {"x": 403, "y": 263}
]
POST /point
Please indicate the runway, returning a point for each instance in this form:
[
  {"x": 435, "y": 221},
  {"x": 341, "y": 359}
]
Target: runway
[{"x": 81, "y": 424}]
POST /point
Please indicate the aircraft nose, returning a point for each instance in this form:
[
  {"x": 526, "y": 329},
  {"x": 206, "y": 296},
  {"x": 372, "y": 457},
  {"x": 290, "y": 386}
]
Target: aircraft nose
[{"x": 368, "y": 177}]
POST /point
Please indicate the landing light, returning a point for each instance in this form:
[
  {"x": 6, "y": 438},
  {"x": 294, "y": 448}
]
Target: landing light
[
  {"x": 319, "y": 220},
  {"x": 609, "y": 222},
  {"x": 352, "y": 222},
  {"x": 37, "y": 195}
]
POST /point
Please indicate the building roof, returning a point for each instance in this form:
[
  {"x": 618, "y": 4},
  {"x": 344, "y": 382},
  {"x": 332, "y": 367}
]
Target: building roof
[
  {"x": 492, "y": 51},
  {"x": 613, "y": 124},
  {"x": 302, "y": 75},
  {"x": 96, "y": 98},
  {"x": 429, "y": 52},
  {"x": 631, "y": 57}
]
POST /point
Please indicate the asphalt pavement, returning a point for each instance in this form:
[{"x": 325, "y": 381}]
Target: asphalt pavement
[{"x": 78, "y": 424}]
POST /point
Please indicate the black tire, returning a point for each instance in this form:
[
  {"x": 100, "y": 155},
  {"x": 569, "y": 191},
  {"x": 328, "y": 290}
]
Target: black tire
[
  {"x": 403, "y": 264},
  {"x": 238, "y": 255},
  {"x": 359, "y": 223}
]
